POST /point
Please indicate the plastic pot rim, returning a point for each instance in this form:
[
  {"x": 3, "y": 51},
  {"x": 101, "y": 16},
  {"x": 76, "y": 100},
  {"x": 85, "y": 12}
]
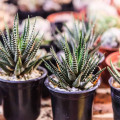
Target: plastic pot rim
[
  {"x": 27, "y": 81},
  {"x": 107, "y": 61},
  {"x": 51, "y": 17},
  {"x": 110, "y": 83},
  {"x": 71, "y": 92}
]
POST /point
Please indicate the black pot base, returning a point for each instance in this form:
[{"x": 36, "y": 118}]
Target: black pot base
[{"x": 22, "y": 99}]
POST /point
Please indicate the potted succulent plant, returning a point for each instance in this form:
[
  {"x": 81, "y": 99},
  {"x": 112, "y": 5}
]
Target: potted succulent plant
[
  {"x": 20, "y": 77},
  {"x": 74, "y": 81},
  {"x": 74, "y": 37},
  {"x": 115, "y": 58},
  {"x": 114, "y": 82},
  {"x": 106, "y": 17},
  {"x": 104, "y": 14},
  {"x": 110, "y": 41}
]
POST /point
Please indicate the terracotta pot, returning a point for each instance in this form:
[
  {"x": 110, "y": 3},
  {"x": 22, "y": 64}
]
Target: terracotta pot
[
  {"x": 77, "y": 15},
  {"x": 114, "y": 58},
  {"x": 55, "y": 22},
  {"x": 107, "y": 51}
]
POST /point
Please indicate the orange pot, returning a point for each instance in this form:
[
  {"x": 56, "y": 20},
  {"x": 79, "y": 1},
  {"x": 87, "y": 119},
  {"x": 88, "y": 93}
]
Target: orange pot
[
  {"x": 56, "y": 19},
  {"x": 114, "y": 57},
  {"x": 107, "y": 51},
  {"x": 77, "y": 15}
]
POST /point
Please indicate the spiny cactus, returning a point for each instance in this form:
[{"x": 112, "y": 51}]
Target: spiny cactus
[
  {"x": 114, "y": 72},
  {"x": 77, "y": 33},
  {"x": 17, "y": 52},
  {"x": 76, "y": 70}
]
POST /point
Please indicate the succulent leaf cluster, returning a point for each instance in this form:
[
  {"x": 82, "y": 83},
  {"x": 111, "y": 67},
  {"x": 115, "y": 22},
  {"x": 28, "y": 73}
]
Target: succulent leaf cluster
[
  {"x": 86, "y": 31},
  {"x": 114, "y": 72},
  {"x": 17, "y": 52},
  {"x": 76, "y": 69}
]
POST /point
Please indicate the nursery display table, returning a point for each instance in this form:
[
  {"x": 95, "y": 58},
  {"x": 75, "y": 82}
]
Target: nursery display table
[{"x": 102, "y": 109}]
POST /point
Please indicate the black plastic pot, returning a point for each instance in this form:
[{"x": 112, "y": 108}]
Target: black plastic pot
[
  {"x": 21, "y": 99},
  {"x": 115, "y": 95},
  {"x": 72, "y": 105},
  {"x": 0, "y": 97}
]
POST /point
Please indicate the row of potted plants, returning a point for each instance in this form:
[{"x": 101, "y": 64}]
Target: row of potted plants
[
  {"x": 111, "y": 33},
  {"x": 109, "y": 22},
  {"x": 79, "y": 102},
  {"x": 108, "y": 25},
  {"x": 75, "y": 78}
]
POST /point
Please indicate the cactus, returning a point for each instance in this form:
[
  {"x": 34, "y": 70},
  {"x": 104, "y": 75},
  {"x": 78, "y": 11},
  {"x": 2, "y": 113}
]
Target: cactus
[
  {"x": 76, "y": 69},
  {"x": 17, "y": 52},
  {"x": 77, "y": 33}
]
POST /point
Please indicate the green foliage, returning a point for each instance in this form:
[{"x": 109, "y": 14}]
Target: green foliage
[
  {"x": 76, "y": 70},
  {"x": 78, "y": 32},
  {"x": 17, "y": 52},
  {"x": 114, "y": 72}
]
